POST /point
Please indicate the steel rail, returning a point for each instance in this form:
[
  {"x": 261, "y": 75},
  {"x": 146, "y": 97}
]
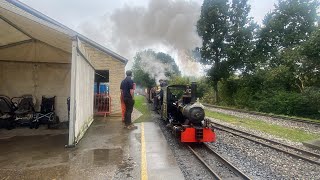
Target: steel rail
[
  {"x": 252, "y": 137},
  {"x": 205, "y": 164},
  {"x": 234, "y": 169},
  {"x": 231, "y": 167}
]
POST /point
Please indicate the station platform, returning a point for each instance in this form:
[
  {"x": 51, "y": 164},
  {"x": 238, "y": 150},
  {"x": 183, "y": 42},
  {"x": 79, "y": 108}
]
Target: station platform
[{"x": 107, "y": 151}]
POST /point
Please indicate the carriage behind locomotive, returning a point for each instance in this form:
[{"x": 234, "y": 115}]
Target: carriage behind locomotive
[{"x": 184, "y": 114}]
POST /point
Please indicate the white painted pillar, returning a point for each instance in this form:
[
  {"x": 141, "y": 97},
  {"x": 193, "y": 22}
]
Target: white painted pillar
[{"x": 72, "y": 119}]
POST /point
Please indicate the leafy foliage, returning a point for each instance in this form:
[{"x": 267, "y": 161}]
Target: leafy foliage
[
  {"x": 311, "y": 51},
  {"x": 227, "y": 33},
  {"x": 141, "y": 77},
  {"x": 274, "y": 68},
  {"x": 212, "y": 27},
  {"x": 176, "y": 80},
  {"x": 240, "y": 35},
  {"x": 149, "y": 65},
  {"x": 166, "y": 59},
  {"x": 290, "y": 24}
]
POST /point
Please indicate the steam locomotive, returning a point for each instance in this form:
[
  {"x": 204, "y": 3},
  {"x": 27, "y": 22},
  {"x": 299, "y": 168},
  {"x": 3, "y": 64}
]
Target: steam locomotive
[{"x": 185, "y": 115}]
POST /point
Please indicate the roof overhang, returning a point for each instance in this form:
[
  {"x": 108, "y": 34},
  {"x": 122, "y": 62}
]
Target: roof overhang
[{"x": 20, "y": 24}]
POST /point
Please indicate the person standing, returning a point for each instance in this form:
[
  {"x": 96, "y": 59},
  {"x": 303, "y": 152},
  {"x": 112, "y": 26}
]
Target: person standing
[{"x": 127, "y": 90}]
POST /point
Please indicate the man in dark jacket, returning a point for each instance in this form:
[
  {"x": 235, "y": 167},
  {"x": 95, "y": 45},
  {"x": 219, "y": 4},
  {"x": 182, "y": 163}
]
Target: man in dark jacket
[{"x": 127, "y": 91}]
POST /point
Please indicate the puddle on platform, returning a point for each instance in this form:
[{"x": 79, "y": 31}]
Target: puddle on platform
[
  {"x": 126, "y": 167},
  {"x": 103, "y": 157}
]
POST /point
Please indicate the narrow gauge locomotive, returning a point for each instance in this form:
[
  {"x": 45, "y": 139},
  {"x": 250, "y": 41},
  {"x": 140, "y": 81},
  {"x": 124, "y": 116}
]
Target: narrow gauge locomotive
[{"x": 185, "y": 115}]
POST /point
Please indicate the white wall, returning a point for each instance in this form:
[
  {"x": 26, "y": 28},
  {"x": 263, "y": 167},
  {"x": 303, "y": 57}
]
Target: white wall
[
  {"x": 84, "y": 93},
  {"x": 38, "y": 79}
]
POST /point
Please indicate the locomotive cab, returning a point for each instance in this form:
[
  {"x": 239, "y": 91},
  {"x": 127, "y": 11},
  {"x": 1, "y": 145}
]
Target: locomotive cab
[{"x": 185, "y": 115}]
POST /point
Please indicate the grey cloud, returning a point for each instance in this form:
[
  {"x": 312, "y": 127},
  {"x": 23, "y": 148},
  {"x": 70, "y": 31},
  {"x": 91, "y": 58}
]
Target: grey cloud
[{"x": 170, "y": 23}]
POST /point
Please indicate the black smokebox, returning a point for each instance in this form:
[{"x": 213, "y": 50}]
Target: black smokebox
[{"x": 193, "y": 92}]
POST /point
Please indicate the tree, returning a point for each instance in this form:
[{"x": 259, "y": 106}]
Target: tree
[
  {"x": 289, "y": 25},
  {"x": 310, "y": 49},
  {"x": 178, "y": 80},
  {"x": 172, "y": 68},
  {"x": 240, "y": 35},
  {"x": 227, "y": 34},
  {"x": 304, "y": 62},
  {"x": 141, "y": 76},
  {"x": 212, "y": 27},
  {"x": 149, "y": 66},
  {"x": 279, "y": 62}
]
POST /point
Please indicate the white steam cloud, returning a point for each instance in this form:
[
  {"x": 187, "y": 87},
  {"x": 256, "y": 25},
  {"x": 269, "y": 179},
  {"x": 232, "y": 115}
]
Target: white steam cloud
[
  {"x": 156, "y": 69},
  {"x": 164, "y": 25}
]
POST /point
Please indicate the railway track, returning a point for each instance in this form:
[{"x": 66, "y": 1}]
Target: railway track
[
  {"x": 219, "y": 167},
  {"x": 266, "y": 115},
  {"x": 293, "y": 151}
]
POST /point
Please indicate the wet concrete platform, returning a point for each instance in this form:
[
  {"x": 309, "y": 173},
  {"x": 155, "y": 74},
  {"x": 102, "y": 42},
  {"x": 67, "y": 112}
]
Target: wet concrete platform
[
  {"x": 315, "y": 144},
  {"x": 107, "y": 151},
  {"x": 161, "y": 163}
]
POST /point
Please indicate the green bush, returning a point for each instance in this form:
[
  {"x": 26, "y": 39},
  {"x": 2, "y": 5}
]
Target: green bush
[
  {"x": 253, "y": 94},
  {"x": 289, "y": 103},
  {"x": 227, "y": 91},
  {"x": 208, "y": 96}
]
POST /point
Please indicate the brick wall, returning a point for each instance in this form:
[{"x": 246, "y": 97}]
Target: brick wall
[
  {"x": 116, "y": 75},
  {"x": 102, "y": 61}
]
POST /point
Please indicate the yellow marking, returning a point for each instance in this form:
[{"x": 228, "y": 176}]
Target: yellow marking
[{"x": 144, "y": 173}]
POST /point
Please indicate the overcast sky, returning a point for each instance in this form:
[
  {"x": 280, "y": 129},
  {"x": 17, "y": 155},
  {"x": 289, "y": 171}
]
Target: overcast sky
[
  {"x": 74, "y": 12},
  {"x": 128, "y": 26}
]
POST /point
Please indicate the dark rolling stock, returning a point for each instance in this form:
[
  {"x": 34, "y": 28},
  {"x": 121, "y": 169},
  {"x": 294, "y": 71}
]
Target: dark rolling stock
[{"x": 184, "y": 114}]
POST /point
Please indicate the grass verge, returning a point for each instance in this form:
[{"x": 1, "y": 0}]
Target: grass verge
[
  {"x": 142, "y": 106},
  {"x": 264, "y": 114},
  {"x": 276, "y": 130}
]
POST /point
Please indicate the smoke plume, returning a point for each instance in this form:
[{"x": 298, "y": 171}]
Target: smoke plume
[
  {"x": 164, "y": 25},
  {"x": 156, "y": 69}
]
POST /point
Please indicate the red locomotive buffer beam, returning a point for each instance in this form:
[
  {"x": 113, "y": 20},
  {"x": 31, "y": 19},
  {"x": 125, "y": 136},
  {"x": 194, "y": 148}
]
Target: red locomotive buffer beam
[{"x": 190, "y": 135}]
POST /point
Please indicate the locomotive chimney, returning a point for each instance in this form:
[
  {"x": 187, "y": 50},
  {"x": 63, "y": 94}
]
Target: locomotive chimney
[{"x": 193, "y": 92}]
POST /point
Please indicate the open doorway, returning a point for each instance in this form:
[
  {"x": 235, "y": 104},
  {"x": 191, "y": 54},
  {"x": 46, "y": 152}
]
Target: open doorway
[
  {"x": 102, "y": 100},
  {"x": 101, "y": 82}
]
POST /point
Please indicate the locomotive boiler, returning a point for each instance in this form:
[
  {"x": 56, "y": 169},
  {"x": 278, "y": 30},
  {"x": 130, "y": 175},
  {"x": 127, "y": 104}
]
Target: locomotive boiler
[{"x": 185, "y": 115}]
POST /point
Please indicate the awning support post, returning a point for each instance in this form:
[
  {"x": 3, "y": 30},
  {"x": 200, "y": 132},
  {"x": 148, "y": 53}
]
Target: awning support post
[{"x": 72, "y": 119}]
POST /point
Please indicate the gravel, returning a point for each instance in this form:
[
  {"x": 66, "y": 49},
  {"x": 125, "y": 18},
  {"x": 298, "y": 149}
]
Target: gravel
[
  {"x": 188, "y": 163},
  {"x": 255, "y": 160},
  {"x": 260, "y": 162},
  {"x": 270, "y": 120},
  {"x": 221, "y": 169},
  {"x": 277, "y": 121}
]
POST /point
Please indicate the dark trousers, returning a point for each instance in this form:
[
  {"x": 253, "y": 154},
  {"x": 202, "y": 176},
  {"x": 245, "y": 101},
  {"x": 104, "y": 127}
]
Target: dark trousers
[{"x": 129, "y": 102}]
